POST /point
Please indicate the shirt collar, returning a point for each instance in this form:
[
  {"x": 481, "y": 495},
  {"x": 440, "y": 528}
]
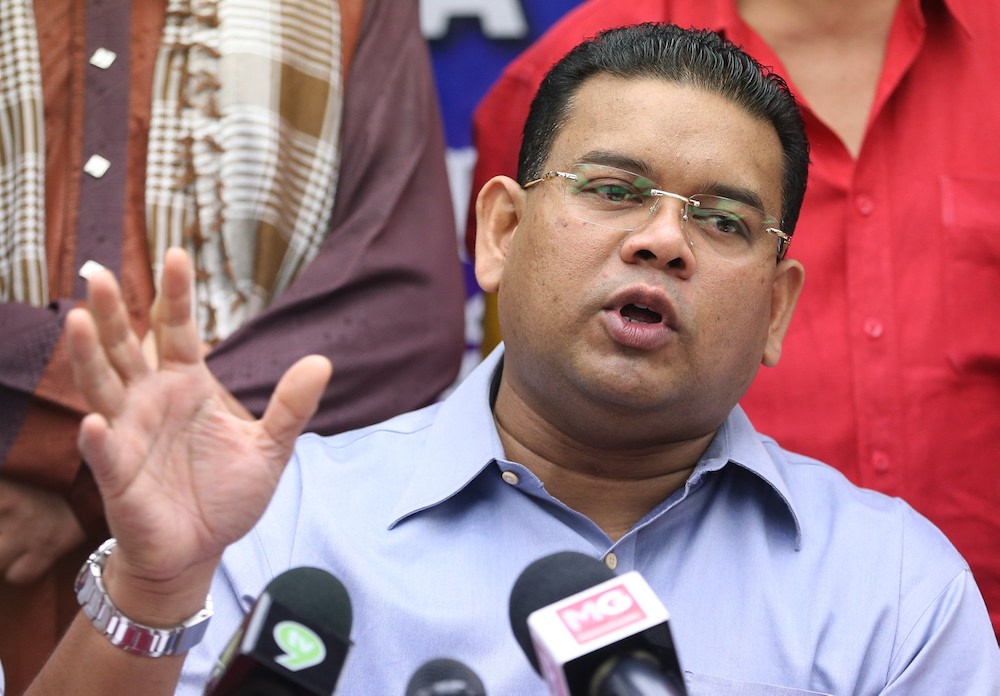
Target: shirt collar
[
  {"x": 722, "y": 16},
  {"x": 463, "y": 441},
  {"x": 738, "y": 444},
  {"x": 958, "y": 9}
]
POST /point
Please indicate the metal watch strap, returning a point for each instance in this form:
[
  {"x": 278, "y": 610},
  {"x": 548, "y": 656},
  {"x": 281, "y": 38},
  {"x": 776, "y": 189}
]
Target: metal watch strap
[{"x": 121, "y": 631}]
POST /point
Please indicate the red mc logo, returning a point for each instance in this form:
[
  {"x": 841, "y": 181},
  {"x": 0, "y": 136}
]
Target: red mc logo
[{"x": 594, "y": 616}]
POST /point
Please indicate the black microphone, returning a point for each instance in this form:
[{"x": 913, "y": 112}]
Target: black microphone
[
  {"x": 293, "y": 642},
  {"x": 444, "y": 677},
  {"x": 590, "y": 632}
]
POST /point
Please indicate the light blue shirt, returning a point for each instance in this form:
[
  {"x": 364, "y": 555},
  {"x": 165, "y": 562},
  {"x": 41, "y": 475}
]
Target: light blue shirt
[{"x": 781, "y": 577}]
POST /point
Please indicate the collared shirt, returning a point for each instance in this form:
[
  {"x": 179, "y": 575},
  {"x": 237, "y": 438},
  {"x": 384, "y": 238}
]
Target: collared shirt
[
  {"x": 776, "y": 570},
  {"x": 890, "y": 370}
]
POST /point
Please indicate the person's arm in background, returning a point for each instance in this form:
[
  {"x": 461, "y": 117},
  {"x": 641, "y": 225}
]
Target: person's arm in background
[
  {"x": 37, "y": 441},
  {"x": 384, "y": 298}
]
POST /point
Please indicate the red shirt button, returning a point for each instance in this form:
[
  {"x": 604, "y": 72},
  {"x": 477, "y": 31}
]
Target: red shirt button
[
  {"x": 874, "y": 328},
  {"x": 865, "y": 205},
  {"x": 880, "y": 462}
]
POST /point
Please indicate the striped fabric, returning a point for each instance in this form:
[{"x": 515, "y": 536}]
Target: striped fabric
[
  {"x": 244, "y": 150},
  {"x": 22, "y": 160}
]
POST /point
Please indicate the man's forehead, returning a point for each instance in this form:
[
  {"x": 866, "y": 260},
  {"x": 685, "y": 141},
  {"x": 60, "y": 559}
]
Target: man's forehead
[{"x": 673, "y": 133}]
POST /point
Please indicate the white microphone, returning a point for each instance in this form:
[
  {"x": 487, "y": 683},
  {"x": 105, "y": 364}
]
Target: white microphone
[{"x": 590, "y": 632}]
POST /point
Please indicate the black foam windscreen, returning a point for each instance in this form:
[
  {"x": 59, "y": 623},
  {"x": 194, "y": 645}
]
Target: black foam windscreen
[
  {"x": 547, "y": 581},
  {"x": 317, "y": 594},
  {"x": 445, "y": 677}
]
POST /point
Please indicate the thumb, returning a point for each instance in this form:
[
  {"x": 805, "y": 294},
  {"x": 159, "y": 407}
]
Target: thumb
[{"x": 296, "y": 399}]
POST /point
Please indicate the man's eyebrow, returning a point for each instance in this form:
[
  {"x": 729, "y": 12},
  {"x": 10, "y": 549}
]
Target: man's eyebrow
[
  {"x": 610, "y": 158},
  {"x": 737, "y": 193}
]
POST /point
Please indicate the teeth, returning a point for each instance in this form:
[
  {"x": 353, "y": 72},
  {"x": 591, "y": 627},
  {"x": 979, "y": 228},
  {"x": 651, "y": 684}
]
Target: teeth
[{"x": 641, "y": 306}]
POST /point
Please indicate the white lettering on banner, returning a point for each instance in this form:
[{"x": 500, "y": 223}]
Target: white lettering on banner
[
  {"x": 499, "y": 19},
  {"x": 593, "y": 617}
]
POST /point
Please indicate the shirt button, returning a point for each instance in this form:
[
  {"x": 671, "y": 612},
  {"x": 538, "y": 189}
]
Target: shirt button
[
  {"x": 865, "y": 205},
  {"x": 97, "y": 166},
  {"x": 89, "y": 268},
  {"x": 510, "y": 477},
  {"x": 874, "y": 328},
  {"x": 103, "y": 58},
  {"x": 611, "y": 561},
  {"x": 880, "y": 462}
]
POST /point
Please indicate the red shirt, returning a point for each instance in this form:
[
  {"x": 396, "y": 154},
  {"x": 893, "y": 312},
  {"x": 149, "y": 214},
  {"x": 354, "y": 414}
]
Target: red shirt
[{"x": 891, "y": 368}]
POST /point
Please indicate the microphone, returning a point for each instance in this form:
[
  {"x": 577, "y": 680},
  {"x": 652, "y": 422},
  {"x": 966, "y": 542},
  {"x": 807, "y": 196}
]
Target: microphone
[
  {"x": 590, "y": 632},
  {"x": 444, "y": 677},
  {"x": 293, "y": 642}
]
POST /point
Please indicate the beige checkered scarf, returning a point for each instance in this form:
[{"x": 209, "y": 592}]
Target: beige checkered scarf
[
  {"x": 243, "y": 147},
  {"x": 22, "y": 159}
]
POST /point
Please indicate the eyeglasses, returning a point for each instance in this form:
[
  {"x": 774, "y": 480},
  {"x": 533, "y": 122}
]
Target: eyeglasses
[{"x": 620, "y": 200}]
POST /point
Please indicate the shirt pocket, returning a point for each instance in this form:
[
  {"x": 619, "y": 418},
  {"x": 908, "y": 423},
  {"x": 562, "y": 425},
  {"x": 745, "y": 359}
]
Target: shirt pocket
[
  {"x": 707, "y": 685},
  {"x": 972, "y": 271}
]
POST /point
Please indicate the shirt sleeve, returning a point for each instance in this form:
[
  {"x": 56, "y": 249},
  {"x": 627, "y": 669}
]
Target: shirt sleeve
[
  {"x": 951, "y": 649},
  {"x": 41, "y": 409},
  {"x": 384, "y": 298}
]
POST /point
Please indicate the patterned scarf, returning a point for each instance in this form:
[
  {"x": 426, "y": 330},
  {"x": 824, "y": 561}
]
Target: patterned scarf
[
  {"x": 23, "y": 276},
  {"x": 244, "y": 147}
]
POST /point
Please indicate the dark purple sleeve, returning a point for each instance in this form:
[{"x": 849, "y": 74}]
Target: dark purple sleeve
[
  {"x": 384, "y": 298},
  {"x": 28, "y": 336}
]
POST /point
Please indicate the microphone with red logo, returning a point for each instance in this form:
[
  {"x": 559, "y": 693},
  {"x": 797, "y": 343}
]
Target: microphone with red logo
[
  {"x": 590, "y": 632},
  {"x": 293, "y": 642}
]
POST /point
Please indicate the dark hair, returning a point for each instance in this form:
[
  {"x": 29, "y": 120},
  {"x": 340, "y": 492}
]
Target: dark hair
[{"x": 694, "y": 57}]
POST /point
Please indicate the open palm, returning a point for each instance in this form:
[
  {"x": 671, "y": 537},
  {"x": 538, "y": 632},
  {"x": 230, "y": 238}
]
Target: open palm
[{"x": 182, "y": 474}]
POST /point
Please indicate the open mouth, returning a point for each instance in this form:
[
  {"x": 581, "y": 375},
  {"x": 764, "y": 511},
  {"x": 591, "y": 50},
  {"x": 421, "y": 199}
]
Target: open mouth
[{"x": 640, "y": 314}]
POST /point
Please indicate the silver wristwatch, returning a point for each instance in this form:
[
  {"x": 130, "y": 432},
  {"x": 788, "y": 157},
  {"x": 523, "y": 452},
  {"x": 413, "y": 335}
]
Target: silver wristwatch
[{"x": 124, "y": 633}]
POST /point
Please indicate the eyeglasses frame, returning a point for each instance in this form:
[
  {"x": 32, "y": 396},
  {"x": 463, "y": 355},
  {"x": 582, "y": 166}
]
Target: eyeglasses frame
[{"x": 784, "y": 239}]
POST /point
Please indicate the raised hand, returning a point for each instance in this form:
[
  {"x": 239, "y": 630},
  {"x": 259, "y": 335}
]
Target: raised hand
[{"x": 181, "y": 475}]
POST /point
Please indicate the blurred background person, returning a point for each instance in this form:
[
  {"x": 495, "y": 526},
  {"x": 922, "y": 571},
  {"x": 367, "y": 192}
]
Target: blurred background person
[{"x": 294, "y": 148}]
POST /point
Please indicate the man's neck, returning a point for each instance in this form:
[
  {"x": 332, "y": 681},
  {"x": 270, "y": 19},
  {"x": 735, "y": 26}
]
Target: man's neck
[{"x": 613, "y": 486}]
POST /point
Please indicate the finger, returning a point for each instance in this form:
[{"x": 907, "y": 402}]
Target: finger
[
  {"x": 97, "y": 448},
  {"x": 28, "y": 567},
  {"x": 295, "y": 400},
  {"x": 93, "y": 375},
  {"x": 113, "y": 326},
  {"x": 177, "y": 337},
  {"x": 9, "y": 554},
  {"x": 10, "y": 545}
]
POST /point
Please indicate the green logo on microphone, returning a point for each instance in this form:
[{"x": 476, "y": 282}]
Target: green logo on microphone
[{"x": 303, "y": 648}]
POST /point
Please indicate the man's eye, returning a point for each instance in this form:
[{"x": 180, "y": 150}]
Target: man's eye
[
  {"x": 612, "y": 192},
  {"x": 721, "y": 222}
]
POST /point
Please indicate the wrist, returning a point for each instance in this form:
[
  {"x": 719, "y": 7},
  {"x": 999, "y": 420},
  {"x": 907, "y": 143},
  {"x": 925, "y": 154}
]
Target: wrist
[
  {"x": 166, "y": 625},
  {"x": 156, "y": 601}
]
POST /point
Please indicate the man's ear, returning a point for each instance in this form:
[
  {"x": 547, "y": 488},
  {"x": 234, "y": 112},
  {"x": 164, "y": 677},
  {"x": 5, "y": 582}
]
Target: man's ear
[
  {"x": 787, "y": 285},
  {"x": 498, "y": 211}
]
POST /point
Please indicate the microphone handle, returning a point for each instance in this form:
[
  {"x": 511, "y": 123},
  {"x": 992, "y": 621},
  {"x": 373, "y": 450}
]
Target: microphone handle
[{"x": 634, "y": 676}]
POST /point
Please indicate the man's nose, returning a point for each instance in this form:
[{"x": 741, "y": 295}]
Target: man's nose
[{"x": 661, "y": 241}]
